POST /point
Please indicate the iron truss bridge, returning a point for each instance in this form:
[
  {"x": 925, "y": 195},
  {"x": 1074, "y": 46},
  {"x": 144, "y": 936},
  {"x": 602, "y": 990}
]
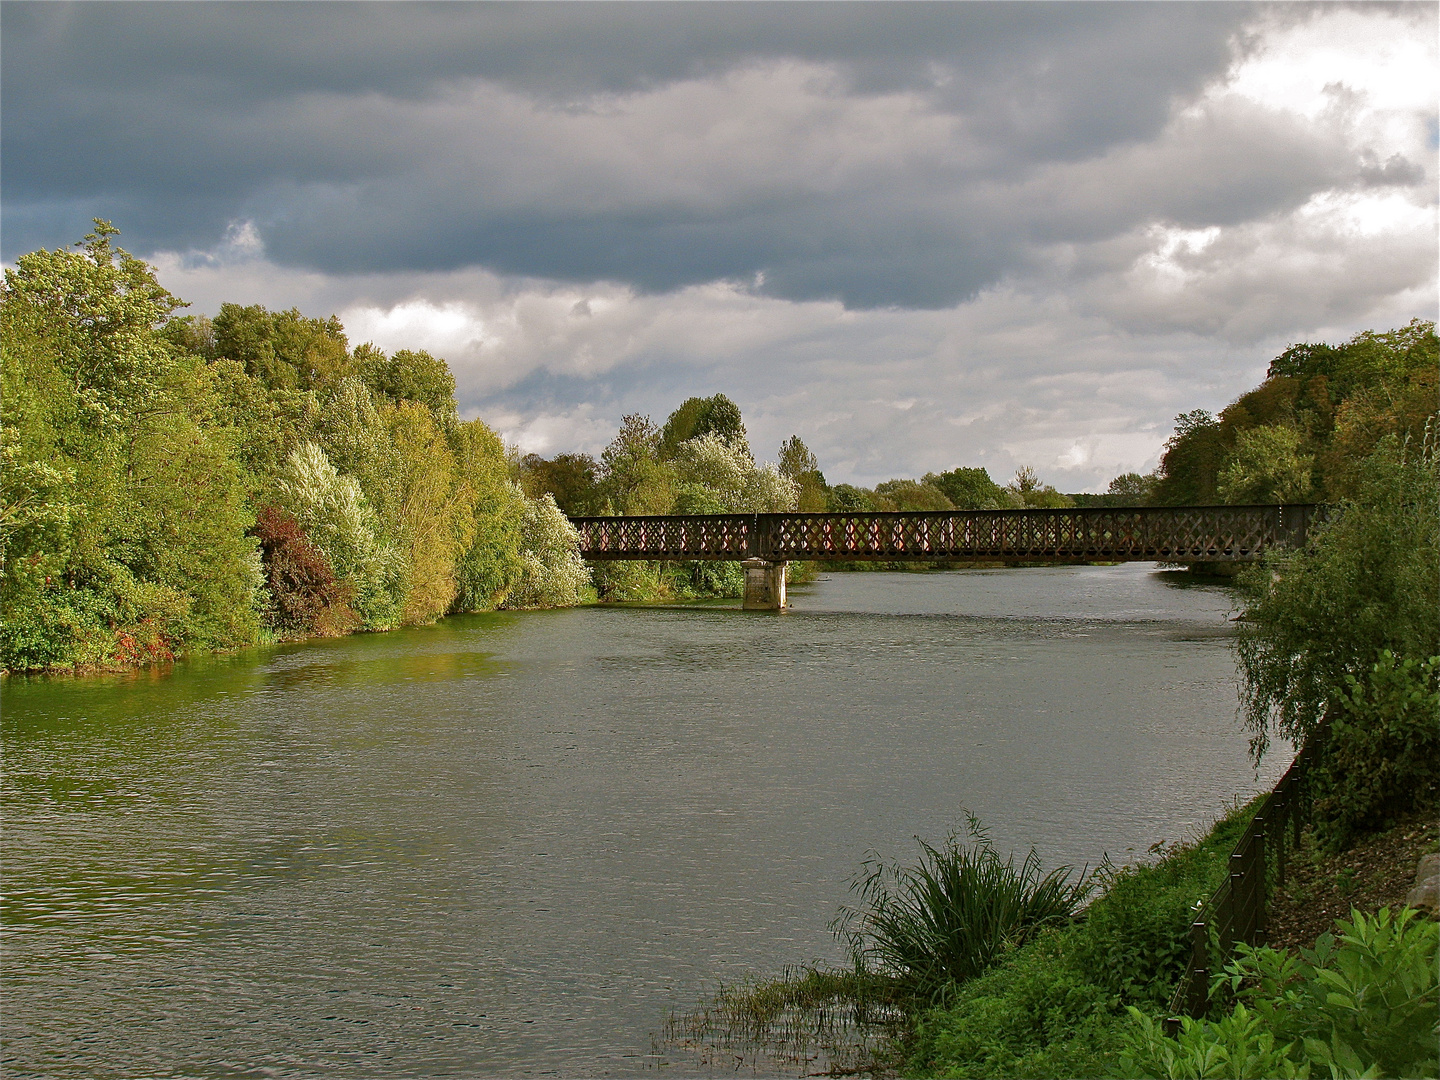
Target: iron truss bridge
[{"x": 1179, "y": 534}]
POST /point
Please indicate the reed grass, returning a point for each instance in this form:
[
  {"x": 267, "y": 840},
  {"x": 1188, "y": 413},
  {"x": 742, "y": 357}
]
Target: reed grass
[
  {"x": 915, "y": 932},
  {"x": 809, "y": 1021},
  {"x": 951, "y": 916}
]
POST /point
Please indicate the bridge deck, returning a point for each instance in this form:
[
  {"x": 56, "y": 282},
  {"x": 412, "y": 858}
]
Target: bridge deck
[{"x": 1101, "y": 534}]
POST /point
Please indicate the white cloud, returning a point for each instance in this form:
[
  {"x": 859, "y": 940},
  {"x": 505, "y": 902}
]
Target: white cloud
[{"x": 1154, "y": 277}]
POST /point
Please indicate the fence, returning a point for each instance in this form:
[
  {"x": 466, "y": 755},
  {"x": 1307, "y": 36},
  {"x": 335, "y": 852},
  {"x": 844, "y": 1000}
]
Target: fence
[{"x": 1237, "y": 912}]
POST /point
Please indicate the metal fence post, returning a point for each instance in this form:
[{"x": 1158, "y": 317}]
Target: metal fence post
[{"x": 1199, "y": 995}]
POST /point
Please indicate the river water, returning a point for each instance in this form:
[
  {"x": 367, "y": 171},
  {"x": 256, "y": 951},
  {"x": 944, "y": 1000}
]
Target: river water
[{"x": 509, "y": 844}]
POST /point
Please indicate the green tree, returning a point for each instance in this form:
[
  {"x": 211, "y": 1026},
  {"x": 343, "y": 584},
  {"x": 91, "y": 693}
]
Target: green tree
[
  {"x": 1026, "y": 490},
  {"x": 849, "y": 499},
  {"x": 284, "y": 349},
  {"x": 490, "y": 561},
  {"x": 1190, "y": 467},
  {"x": 127, "y": 512},
  {"x": 552, "y": 574},
  {"x": 797, "y": 463},
  {"x": 910, "y": 495},
  {"x": 412, "y": 376},
  {"x": 968, "y": 489},
  {"x": 634, "y": 480},
  {"x": 340, "y": 522},
  {"x": 1268, "y": 465},
  {"x": 1368, "y": 581},
  {"x": 716, "y": 415},
  {"x": 1132, "y": 489},
  {"x": 573, "y": 479}
]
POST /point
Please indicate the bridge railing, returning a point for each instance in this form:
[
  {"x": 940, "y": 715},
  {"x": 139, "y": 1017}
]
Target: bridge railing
[{"x": 1153, "y": 533}]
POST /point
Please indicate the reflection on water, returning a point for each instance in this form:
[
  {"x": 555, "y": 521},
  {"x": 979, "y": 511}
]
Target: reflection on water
[{"x": 510, "y": 843}]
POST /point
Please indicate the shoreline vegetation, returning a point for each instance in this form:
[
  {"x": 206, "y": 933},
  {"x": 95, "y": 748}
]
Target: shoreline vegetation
[
  {"x": 1344, "y": 633},
  {"x": 176, "y": 484}
]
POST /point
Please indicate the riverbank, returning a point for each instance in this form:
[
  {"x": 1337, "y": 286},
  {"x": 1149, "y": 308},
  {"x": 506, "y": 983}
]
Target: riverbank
[
  {"x": 1054, "y": 1006},
  {"x": 1059, "y": 1004}
]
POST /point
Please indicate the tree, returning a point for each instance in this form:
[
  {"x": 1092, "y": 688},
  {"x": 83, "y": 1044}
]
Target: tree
[
  {"x": 1026, "y": 490},
  {"x": 284, "y": 349},
  {"x": 797, "y": 463},
  {"x": 552, "y": 574},
  {"x": 635, "y": 480},
  {"x": 1368, "y": 582},
  {"x": 573, "y": 479},
  {"x": 849, "y": 499},
  {"x": 1132, "y": 489},
  {"x": 716, "y": 415},
  {"x": 340, "y": 522},
  {"x": 127, "y": 511},
  {"x": 1190, "y": 467},
  {"x": 490, "y": 561},
  {"x": 1267, "y": 466},
  {"x": 796, "y": 459},
  {"x": 412, "y": 376},
  {"x": 909, "y": 495},
  {"x": 968, "y": 489}
]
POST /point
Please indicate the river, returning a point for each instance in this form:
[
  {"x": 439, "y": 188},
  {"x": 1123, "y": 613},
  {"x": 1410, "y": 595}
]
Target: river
[{"x": 509, "y": 844}]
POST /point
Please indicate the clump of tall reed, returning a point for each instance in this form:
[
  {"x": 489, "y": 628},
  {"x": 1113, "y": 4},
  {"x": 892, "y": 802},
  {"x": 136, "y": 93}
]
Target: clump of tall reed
[
  {"x": 915, "y": 933},
  {"x": 951, "y": 916}
]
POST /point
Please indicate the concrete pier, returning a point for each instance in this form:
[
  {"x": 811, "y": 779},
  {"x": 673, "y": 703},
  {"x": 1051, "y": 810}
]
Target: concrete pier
[{"x": 764, "y": 585}]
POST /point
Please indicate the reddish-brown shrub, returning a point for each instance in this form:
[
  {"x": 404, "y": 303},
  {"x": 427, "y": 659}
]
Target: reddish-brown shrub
[{"x": 305, "y": 597}]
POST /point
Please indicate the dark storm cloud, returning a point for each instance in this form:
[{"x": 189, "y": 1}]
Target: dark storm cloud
[{"x": 922, "y": 151}]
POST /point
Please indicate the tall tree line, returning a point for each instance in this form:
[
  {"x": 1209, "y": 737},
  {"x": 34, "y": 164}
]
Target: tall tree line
[{"x": 175, "y": 484}]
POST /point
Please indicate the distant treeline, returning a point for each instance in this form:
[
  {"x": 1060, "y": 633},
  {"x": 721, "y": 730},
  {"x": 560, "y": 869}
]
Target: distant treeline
[
  {"x": 176, "y": 484},
  {"x": 1298, "y": 437}
]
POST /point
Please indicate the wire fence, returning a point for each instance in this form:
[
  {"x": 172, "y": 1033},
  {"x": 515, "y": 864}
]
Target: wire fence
[{"x": 1237, "y": 912}]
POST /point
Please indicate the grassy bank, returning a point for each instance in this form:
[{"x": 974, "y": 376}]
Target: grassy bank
[
  {"x": 1056, "y": 1005},
  {"x": 1052, "y": 1005},
  {"x": 1055, "y": 995}
]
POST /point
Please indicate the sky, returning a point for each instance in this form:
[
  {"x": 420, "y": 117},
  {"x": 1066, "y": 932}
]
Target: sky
[{"x": 917, "y": 235}]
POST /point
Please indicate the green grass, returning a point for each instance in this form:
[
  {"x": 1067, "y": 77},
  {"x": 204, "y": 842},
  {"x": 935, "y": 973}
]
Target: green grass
[{"x": 1056, "y": 1005}]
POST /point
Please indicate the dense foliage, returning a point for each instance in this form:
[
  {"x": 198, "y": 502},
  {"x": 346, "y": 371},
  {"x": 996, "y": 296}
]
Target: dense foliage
[
  {"x": 1348, "y": 628},
  {"x": 1364, "y": 1004},
  {"x": 1055, "y": 1006},
  {"x": 174, "y": 484},
  {"x": 1302, "y": 434}
]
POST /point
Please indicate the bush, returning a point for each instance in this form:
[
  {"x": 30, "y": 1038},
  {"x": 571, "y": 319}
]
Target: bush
[
  {"x": 1382, "y": 757},
  {"x": 1365, "y": 1006},
  {"x": 306, "y": 598},
  {"x": 951, "y": 916},
  {"x": 339, "y": 521},
  {"x": 1369, "y": 581},
  {"x": 1034, "y": 1014},
  {"x": 1134, "y": 941},
  {"x": 1238, "y": 1046},
  {"x": 1053, "y": 1007}
]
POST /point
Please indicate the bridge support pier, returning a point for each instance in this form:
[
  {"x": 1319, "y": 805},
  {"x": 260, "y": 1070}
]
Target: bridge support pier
[{"x": 764, "y": 585}]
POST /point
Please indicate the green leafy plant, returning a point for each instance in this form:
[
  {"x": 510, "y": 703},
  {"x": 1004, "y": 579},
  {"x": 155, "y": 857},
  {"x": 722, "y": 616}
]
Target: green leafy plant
[
  {"x": 1237, "y": 1046},
  {"x": 1366, "y": 996},
  {"x": 1368, "y": 581},
  {"x": 1363, "y": 1004},
  {"x": 1383, "y": 754}
]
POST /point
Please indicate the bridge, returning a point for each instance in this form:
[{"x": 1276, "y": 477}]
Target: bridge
[{"x": 764, "y": 543}]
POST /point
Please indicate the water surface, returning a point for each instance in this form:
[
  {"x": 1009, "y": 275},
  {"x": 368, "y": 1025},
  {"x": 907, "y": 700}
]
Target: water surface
[{"x": 509, "y": 844}]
